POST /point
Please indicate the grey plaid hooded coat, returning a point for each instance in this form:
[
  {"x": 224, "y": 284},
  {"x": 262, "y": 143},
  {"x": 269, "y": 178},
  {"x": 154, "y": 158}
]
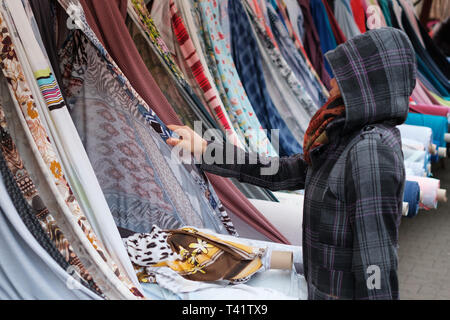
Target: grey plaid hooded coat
[{"x": 354, "y": 187}]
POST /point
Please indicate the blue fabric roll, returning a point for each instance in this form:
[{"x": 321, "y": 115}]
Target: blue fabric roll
[
  {"x": 411, "y": 195},
  {"x": 438, "y": 124}
]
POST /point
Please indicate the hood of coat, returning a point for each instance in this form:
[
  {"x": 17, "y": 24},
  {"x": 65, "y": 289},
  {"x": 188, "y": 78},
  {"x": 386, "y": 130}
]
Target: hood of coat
[{"x": 376, "y": 74}]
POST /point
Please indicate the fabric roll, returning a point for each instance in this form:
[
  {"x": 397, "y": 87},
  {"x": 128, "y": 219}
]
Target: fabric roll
[
  {"x": 434, "y": 110},
  {"x": 280, "y": 82},
  {"x": 294, "y": 59},
  {"x": 249, "y": 65},
  {"x": 26, "y": 214},
  {"x": 198, "y": 71},
  {"x": 415, "y": 169},
  {"x": 106, "y": 18},
  {"x": 416, "y": 156},
  {"x": 428, "y": 189},
  {"x": 142, "y": 182},
  {"x": 439, "y": 126},
  {"x": 197, "y": 255},
  {"x": 296, "y": 17},
  {"x": 229, "y": 78},
  {"x": 27, "y": 271},
  {"x": 284, "y": 16},
  {"x": 412, "y": 197},
  {"x": 424, "y": 135}
]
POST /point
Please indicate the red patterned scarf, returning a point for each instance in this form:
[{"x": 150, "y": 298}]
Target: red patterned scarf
[{"x": 316, "y": 134}]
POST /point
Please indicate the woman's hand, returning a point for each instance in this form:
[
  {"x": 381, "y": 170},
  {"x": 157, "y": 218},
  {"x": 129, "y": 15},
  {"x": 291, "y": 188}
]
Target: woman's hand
[{"x": 189, "y": 140}]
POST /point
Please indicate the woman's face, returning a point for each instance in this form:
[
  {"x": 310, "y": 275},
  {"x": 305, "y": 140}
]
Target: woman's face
[{"x": 334, "y": 88}]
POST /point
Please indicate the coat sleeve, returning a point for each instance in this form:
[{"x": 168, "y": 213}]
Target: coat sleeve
[
  {"x": 273, "y": 173},
  {"x": 374, "y": 182}
]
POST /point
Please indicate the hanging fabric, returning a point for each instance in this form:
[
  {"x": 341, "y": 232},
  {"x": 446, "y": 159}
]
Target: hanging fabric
[
  {"x": 29, "y": 191},
  {"x": 19, "y": 88},
  {"x": 79, "y": 171},
  {"x": 27, "y": 271},
  {"x": 249, "y": 65},
  {"x": 232, "y": 198}
]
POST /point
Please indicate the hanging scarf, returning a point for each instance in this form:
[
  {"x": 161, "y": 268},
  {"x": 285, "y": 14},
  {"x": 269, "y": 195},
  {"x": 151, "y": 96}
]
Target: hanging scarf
[{"x": 316, "y": 134}]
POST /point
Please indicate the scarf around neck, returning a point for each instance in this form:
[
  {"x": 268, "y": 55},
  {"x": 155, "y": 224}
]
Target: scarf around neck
[{"x": 316, "y": 134}]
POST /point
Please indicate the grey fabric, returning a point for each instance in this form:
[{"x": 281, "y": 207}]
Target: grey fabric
[
  {"x": 354, "y": 186},
  {"x": 27, "y": 272}
]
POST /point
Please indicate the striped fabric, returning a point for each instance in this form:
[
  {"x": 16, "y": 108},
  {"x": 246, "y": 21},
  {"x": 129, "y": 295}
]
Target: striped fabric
[
  {"x": 50, "y": 89},
  {"x": 190, "y": 55}
]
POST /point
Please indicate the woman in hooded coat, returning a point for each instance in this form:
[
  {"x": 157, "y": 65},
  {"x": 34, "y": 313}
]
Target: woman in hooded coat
[{"x": 351, "y": 169}]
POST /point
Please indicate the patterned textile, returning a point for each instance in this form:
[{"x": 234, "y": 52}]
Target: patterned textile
[
  {"x": 249, "y": 65},
  {"x": 27, "y": 271},
  {"x": 141, "y": 182},
  {"x": 195, "y": 184},
  {"x": 189, "y": 53},
  {"x": 277, "y": 59},
  {"x": 31, "y": 195},
  {"x": 194, "y": 255},
  {"x": 68, "y": 145},
  {"x": 293, "y": 102},
  {"x": 316, "y": 134},
  {"x": 49, "y": 88},
  {"x": 242, "y": 109},
  {"x": 354, "y": 186},
  {"x": 19, "y": 88},
  {"x": 153, "y": 33},
  {"x": 27, "y": 215},
  {"x": 282, "y": 9},
  {"x": 294, "y": 59},
  {"x": 192, "y": 16}
]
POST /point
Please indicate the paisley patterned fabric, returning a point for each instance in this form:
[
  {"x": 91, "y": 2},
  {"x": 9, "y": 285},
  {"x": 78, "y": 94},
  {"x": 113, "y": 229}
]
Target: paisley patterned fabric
[
  {"x": 138, "y": 175},
  {"x": 197, "y": 187},
  {"x": 20, "y": 89}
]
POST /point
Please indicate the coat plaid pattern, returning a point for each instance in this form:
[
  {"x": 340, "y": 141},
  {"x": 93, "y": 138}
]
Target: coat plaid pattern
[{"x": 354, "y": 186}]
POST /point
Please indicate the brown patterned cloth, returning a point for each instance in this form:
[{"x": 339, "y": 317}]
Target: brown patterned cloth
[{"x": 204, "y": 257}]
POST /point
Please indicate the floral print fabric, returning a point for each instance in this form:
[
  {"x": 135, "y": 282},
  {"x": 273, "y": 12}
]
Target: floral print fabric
[
  {"x": 229, "y": 77},
  {"x": 19, "y": 88}
]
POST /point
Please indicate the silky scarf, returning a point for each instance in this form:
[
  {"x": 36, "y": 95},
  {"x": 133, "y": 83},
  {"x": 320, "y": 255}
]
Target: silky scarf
[{"x": 316, "y": 134}]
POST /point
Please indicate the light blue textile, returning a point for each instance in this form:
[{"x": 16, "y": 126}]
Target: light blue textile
[{"x": 27, "y": 272}]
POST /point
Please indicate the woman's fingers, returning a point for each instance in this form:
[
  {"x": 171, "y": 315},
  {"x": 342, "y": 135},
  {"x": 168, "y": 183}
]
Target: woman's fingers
[
  {"x": 173, "y": 127},
  {"x": 173, "y": 141}
]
